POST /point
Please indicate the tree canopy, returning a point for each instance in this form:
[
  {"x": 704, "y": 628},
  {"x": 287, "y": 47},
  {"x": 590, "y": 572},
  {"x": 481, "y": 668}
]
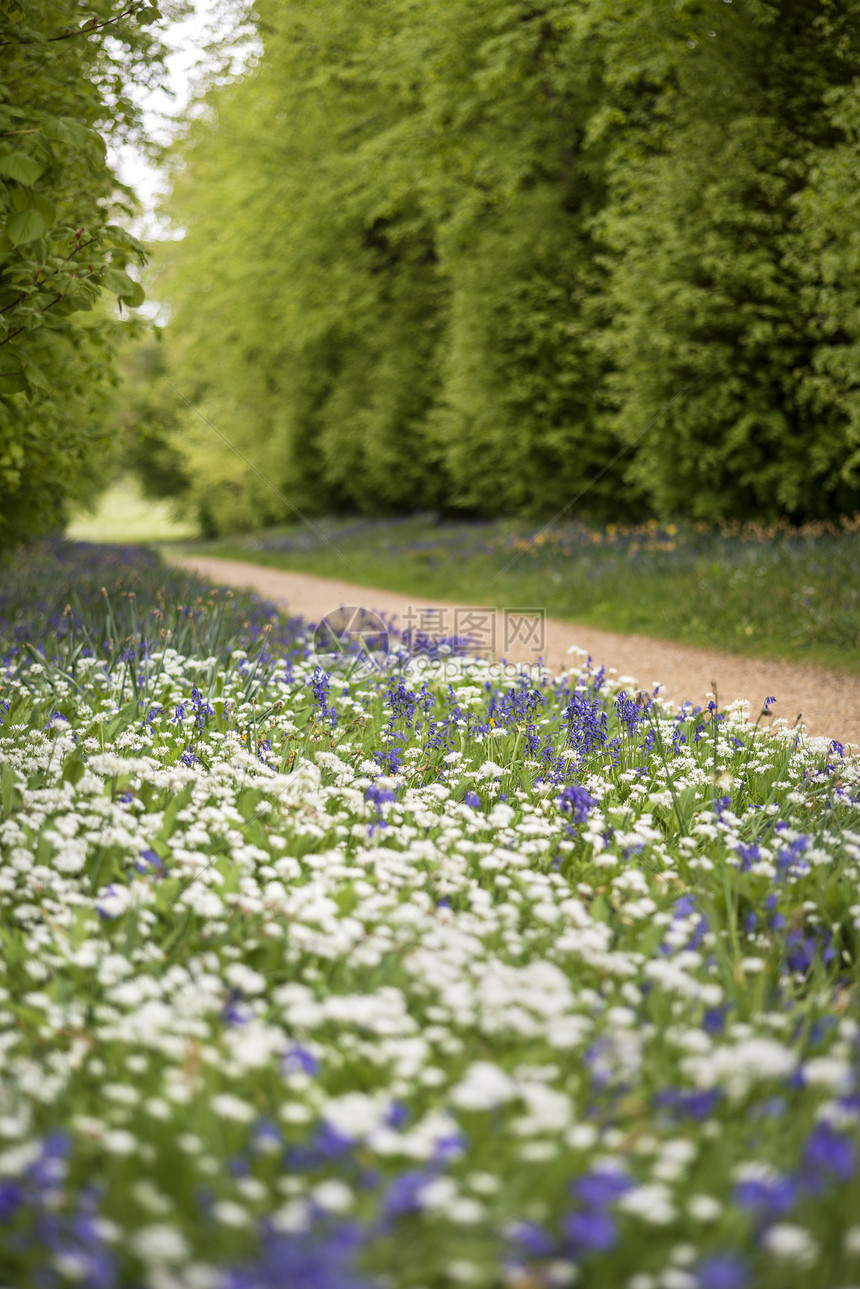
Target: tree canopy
[
  {"x": 515, "y": 257},
  {"x": 68, "y": 77}
]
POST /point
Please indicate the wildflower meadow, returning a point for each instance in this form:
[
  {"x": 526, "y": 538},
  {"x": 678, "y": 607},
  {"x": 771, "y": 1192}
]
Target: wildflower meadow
[{"x": 409, "y": 970}]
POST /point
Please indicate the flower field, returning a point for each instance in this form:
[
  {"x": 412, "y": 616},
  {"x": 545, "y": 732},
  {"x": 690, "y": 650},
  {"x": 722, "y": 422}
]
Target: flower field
[{"x": 432, "y": 975}]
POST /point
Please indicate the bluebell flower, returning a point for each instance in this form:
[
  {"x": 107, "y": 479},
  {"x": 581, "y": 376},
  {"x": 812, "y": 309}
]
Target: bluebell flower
[
  {"x": 532, "y": 1238},
  {"x": 722, "y": 1271},
  {"x": 828, "y": 1151},
  {"x": 601, "y": 1187},
  {"x": 11, "y": 1198},
  {"x": 586, "y": 725},
  {"x": 629, "y": 712},
  {"x": 576, "y": 801},
  {"x": 316, "y": 1260},
  {"x": 403, "y": 1195},
  {"x": 697, "y": 1105},
  {"x": 299, "y": 1060},
  {"x": 766, "y": 1198},
  {"x": 398, "y": 1115},
  {"x": 591, "y": 1231}
]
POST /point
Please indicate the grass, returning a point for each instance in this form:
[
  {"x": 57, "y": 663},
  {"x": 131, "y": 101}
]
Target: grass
[
  {"x": 125, "y": 515},
  {"x": 777, "y": 593},
  {"x": 411, "y": 978}
]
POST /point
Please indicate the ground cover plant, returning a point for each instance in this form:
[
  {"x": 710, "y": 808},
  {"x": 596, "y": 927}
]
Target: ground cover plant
[
  {"x": 425, "y": 976},
  {"x": 769, "y": 591}
]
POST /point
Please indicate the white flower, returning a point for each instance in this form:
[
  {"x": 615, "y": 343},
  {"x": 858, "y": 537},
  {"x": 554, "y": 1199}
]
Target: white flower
[
  {"x": 230, "y": 1107},
  {"x": 463, "y": 1272},
  {"x": 561, "y": 1272},
  {"x": 704, "y": 1208},
  {"x": 251, "y": 1189},
  {"x": 149, "y": 1197},
  {"x": 489, "y": 770},
  {"x": 738, "y": 1067},
  {"x": 676, "y": 1278},
  {"x": 229, "y": 1213},
  {"x": 355, "y": 1114},
  {"x": 483, "y": 1087},
  {"x": 792, "y": 1243},
  {"x": 333, "y": 1195},
  {"x": 119, "y": 1142},
  {"x": 439, "y": 1193},
  {"x": 652, "y": 1203},
  {"x": 465, "y": 1211},
  {"x": 159, "y": 1243},
  {"x": 828, "y": 1072}
]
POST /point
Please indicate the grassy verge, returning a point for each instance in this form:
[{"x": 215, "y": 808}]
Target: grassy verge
[{"x": 780, "y": 593}]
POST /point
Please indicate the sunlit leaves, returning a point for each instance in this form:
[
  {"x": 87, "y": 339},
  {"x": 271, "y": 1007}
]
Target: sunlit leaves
[{"x": 60, "y": 254}]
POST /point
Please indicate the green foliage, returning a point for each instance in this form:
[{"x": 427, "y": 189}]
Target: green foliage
[
  {"x": 598, "y": 258},
  {"x": 67, "y": 75},
  {"x": 143, "y": 411},
  {"x": 712, "y": 337},
  {"x": 830, "y": 217}
]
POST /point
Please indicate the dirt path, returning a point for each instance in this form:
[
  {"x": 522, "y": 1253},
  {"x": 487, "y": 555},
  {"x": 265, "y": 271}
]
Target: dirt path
[{"x": 828, "y": 700}]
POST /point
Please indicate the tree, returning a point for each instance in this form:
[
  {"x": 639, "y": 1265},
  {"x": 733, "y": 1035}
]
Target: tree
[
  {"x": 713, "y": 337},
  {"x": 68, "y": 74},
  {"x": 523, "y": 257}
]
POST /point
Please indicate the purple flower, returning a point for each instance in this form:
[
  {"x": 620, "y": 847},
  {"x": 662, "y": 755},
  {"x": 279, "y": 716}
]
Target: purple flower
[
  {"x": 827, "y": 1151},
  {"x": 586, "y": 724},
  {"x": 628, "y": 711},
  {"x": 748, "y": 855},
  {"x": 151, "y": 858},
  {"x": 576, "y": 801},
  {"x": 266, "y": 1135},
  {"x": 722, "y": 1271},
  {"x": 318, "y": 1260},
  {"x": 684, "y": 906},
  {"x": 11, "y": 1198},
  {"x": 532, "y": 1238},
  {"x": 591, "y": 1231},
  {"x": 689, "y": 1105},
  {"x": 472, "y": 799},
  {"x": 298, "y": 1060},
  {"x": 714, "y": 1020},
  {"x": 398, "y": 1115},
  {"x": 601, "y": 1187},
  {"x": 403, "y": 1195},
  {"x": 767, "y": 1199},
  {"x": 378, "y": 796}
]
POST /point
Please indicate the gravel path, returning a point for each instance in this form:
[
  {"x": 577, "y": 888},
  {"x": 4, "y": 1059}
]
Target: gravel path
[{"x": 829, "y": 701}]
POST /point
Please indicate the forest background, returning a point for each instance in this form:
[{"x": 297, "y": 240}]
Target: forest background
[{"x": 478, "y": 259}]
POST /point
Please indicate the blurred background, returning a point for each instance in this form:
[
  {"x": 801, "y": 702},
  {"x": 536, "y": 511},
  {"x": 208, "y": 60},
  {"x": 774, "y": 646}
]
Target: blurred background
[{"x": 595, "y": 264}]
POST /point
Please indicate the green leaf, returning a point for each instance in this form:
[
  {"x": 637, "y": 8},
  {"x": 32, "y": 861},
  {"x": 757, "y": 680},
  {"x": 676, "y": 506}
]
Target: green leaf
[
  {"x": 10, "y": 797},
  {"x": 120, "y": 284},
  {"x": 147, "y": 15},
  {"x": 73, "y": 769},
  {"x": 30, "y": 199},
  {"x": 25, "y": 226},
  {"x": 35, "y": 375},
  {"x": 120, "y": 237},
  {"x": 63, "y": 129},
  {"x": 12, "y": 378},
  {"x": 178, "y": 803},
  {"x": 18, "y": 165}
]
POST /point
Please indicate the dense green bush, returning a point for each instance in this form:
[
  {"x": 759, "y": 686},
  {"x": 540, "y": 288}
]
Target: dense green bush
[
  {"x": 68, "y": 73},
  {"x": 507, "y": 258}
]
